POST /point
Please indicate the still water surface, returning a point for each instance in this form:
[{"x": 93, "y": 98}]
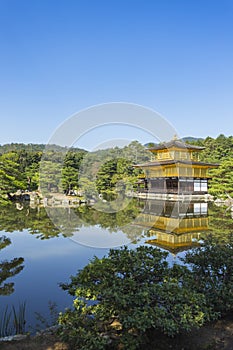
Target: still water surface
[{"x": 46, "y": 254}]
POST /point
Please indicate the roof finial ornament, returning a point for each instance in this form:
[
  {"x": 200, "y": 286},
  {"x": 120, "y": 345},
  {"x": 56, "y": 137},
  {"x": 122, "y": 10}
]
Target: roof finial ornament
[{"x": 175, "y": 137}]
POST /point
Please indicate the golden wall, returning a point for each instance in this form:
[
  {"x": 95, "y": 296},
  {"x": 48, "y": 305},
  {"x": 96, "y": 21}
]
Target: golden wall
[{"x": 176, "y": 171}]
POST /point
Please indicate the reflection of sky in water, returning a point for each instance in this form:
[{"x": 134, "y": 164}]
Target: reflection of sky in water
[
  {"x": 31, "y": 248},
  {"x": 97, "y": 237}
]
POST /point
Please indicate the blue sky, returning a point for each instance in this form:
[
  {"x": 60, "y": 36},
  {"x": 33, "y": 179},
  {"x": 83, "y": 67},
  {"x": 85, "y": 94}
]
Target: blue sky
[{"x": 61, "y": 56}]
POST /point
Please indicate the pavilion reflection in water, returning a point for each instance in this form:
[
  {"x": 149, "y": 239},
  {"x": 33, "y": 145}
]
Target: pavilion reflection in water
[{"x": 174, "y": 225}]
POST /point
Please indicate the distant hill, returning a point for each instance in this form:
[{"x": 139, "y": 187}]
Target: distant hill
[
  {"x": 191, "y": 139},
  {"x": 185, "y": 139},
  {"x": 150, "y": 144},
  {"x": 9, "y": 147},
  {"x": 31, "y": 147}
]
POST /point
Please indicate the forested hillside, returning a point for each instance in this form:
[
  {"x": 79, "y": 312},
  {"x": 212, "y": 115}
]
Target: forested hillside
[
  {"x": 219, "y": 150},
  {"x": 68, "y": 169},
  {"x": 105, "y": 171}
]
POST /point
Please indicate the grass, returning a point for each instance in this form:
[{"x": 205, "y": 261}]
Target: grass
[{"x": 12, "y": 321}]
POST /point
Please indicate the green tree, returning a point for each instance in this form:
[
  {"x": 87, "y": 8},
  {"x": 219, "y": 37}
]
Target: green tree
[
  {"x": 59, "y": 169},
  {"x": 136, "y": 153},
  {"x": 70, "y": 171},
  {"x": 222, "y": 179},
  {"x": 11, "y": 178},
  {"x": 217, "y": 149},
  {"x": 121, "y": 297},
  {"x": 116, "y": 175},
  {"x": 74, "y": 158},
  {"x": 69, "y": 179},
  {"x": 50, "y": 176},
  {"x": 105, "y": 174},
  {"x": 212, "y": 267},
  {"x": 32, "y": 176}
]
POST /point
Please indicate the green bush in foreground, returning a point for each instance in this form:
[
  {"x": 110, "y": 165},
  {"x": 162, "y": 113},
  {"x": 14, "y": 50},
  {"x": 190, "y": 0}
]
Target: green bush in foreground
[
  {"x": 212, "y": 268},
  {"x": 121, "y": 297}
]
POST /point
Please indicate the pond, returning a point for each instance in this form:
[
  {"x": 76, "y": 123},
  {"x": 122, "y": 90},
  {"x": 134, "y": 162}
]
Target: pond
[{"x": 40, "y": 248}]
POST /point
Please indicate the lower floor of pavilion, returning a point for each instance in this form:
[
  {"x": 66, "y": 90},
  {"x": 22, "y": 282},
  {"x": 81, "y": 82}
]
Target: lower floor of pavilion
[{"x": 173, "y": 185}]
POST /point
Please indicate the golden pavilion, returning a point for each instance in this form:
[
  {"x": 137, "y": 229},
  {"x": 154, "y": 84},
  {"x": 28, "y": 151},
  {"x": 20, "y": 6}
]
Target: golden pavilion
[{"x": 175, "y": 168}]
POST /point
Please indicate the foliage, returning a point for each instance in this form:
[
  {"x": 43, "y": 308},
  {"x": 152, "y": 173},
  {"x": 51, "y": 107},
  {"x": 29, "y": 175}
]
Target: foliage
[
  {"x": 212, "y": 265},
  {"x": 50, "y": 176},
  {"x": 19, "y": 170},
  {"x": 121, "y": 297},
  {"x": 216, "y": 150},
  {"x": 222, "y": 179},
  {"x": 69, "y": 179},
  {"x": 70, "y": 171},
  {"x": 219, "y": 150},
  {"x": 15, "y": 147},
  {"x": 31, "y": 147},
  {"x": 116, "y": 176},
  {"x": 4, "y": 242},
  {"x": 10, "y": 176},
  {"x": 87, "y": 188},
  {"x": 8, "y": 269},
  {"x": 134, "y": 153},
  {"x": 19, "y": 167},
  {"x": 220, "y": 220},
  {"x": 111, "y": 171}
]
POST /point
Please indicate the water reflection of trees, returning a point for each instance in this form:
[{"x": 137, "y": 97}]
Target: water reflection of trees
[
  {"x": 220, "y": 222},
  {"x": 8, "y": 269},
  {"x": 55, "y": 221},
  {"x": 35, "y": 220},
  {"x": 65, "y": 220}
]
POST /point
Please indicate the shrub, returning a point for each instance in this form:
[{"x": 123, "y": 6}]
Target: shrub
[
  {"x": 121, "y": 297},
  {"x": 212, "y": 268}
]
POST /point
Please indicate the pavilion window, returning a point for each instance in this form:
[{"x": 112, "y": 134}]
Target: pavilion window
[
  {"x": 197, "y": 185},
  {"x": 200, "y": 208},
  {"x": 200, "y": 185},
  {"x": 204, "y": 185}
]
